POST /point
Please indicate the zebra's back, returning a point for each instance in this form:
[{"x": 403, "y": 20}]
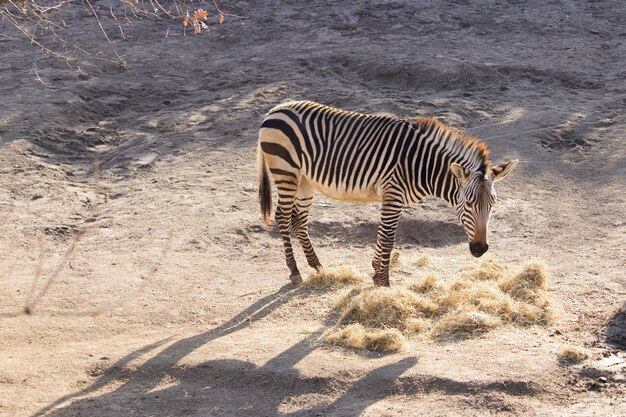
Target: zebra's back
[{"x": 345, "y": 155}]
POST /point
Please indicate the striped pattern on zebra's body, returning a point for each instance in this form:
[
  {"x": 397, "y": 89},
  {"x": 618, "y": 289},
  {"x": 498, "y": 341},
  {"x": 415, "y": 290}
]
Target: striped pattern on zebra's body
[{"x": 357, "y": 157}]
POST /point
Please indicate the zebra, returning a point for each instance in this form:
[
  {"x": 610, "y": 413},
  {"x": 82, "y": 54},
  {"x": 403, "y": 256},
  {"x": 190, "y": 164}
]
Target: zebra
[{"x": 306, "y": 146}]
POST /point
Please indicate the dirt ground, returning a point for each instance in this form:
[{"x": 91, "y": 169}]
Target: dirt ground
[{"x": 154, "y": 290}]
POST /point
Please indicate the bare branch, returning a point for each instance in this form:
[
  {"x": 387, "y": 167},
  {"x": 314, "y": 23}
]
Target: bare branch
[{"x": 34, "y": 19}]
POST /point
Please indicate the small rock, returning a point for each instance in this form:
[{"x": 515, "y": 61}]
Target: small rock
[
  {"x": 603, "y": 380},
  {"x": 594, "y": 386},
  {"x": 146, "y": 160}
]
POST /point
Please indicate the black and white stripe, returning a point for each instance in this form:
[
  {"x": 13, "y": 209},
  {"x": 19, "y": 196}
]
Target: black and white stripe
[{"x": 306, "y": 146}]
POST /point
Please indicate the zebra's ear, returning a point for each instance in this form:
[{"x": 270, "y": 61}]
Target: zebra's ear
[
  {"x": 459, "y": 172},
  {"x": 501, "y": 170}
]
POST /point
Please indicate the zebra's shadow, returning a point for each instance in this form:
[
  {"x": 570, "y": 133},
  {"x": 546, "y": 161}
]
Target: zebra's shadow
[
  {"x": 229, "y": 386},
  {"x": 411, "y": 231}
]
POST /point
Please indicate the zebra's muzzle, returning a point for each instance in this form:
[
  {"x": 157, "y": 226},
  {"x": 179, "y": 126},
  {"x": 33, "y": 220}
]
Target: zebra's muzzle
[{"x": 478, "y": 249}]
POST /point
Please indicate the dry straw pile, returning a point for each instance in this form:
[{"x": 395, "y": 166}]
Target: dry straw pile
[
  {"x": 478, "y": 300},
  {"x": 326, "y": 279},
  {"x": 357, "y": 336},
  {"x": 569, "y": 354}
]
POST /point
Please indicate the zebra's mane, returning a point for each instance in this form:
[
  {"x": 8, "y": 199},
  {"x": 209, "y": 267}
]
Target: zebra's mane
[{"x": 457, "y": 140}]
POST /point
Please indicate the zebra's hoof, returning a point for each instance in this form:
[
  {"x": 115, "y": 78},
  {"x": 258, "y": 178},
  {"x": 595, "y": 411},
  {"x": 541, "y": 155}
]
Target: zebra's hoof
[
  {"x": 378, "y": 282},
  {"x": 296, "y": 279}
]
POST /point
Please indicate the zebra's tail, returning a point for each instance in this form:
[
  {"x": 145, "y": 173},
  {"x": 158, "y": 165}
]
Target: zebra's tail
[{"x": 265, "y": 188}]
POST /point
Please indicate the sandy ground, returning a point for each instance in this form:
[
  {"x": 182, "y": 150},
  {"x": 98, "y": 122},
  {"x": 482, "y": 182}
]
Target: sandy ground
[{"x": 154, "y": 289}]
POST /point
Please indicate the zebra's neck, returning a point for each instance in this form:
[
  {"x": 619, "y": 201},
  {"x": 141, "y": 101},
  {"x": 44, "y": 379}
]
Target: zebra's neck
[{"x": 438, "y": 147}]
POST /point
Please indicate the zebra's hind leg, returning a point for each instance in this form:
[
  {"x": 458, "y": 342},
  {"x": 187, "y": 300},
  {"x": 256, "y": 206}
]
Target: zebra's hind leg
[
  {"x": 300, "y": 222},
  {"x": 287, "y": 189},
  {"x": 390, "y": 215}
]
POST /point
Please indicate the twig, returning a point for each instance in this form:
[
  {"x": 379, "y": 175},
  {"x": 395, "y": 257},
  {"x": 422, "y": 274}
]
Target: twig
[
  {"x": 116, "y": 21},
  {"x": 241, "y": 18},
  {"x": 38, "y": 77},
  {"x": 69, "y": 59},
  {"x": 123, "y": 63},
  {"x": 32, "y": 19}
]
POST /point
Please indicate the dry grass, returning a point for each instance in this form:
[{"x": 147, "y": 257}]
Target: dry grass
[
  {"x": 524, "y": 285},
  {"x": 420, "y": 261},
  {"x": 427, "y": 285},
  {"x": 572, "y": 354},
  {"x": 417, "y": 325},
  {"x": 326, "y": 278},
  {"x": 383, "y": 307},
  {"x": 407, "y": 259},
  {"x": 477, "y": 301},
  {"x": 356, "y": 336},
  {"x": 394, "y": 260},
  {"x": 465, "y": 321},
  {"x": 489, "y": 270}
]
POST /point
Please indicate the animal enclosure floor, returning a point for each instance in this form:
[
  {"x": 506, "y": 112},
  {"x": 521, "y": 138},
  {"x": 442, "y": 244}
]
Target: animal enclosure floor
[{"x": 153, "y": 288}]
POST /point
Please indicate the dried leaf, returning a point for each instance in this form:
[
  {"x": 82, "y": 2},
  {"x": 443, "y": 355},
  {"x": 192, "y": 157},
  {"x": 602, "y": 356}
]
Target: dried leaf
[
  {"x": 221, "y": 18},
  {"x": 200, "y": 15}
]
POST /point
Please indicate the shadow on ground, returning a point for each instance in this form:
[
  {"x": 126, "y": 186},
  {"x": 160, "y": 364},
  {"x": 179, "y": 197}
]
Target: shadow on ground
[
  {"x": 161, "y": 386},
  {"x": 411, "y": 231},
  {"x": 616, "y": 329},
  {"x": 229, "y": 386}
]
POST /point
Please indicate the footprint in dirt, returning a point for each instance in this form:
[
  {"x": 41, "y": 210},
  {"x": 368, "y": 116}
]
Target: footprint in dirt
[
  {"x": 62, "y": 232},
  {"x": 569, "y": 135}
]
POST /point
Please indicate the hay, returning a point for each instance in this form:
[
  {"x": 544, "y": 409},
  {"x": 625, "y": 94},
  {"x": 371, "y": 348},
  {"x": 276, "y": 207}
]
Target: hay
[
  {"x": 465, "y": 322},
  {"x": 326, "y": 278},
  {"x": 356, "y": 336},
  {"x": 572, "y": 354},
  {"x": 476, "y": 295},
  {"x": 524, "y": 285},
  {"x": 489, "y": 270},
  {"x": 383, "y": 307},
  {"x": 417, "y": 325},
  {"x": 399, "y": 259},
  {"x": 421, "y": 261},
  {"x": 415, "y": 260},
  {"x": 394, "y": 260},
  {"x": 479, "y": 300},
  {"x": 426, "y": 285}
]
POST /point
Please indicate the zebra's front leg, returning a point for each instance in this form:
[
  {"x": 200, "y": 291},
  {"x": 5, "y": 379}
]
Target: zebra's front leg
[
  {"x": 390, "y": 215},
  {"x": 300, "y": 222}
]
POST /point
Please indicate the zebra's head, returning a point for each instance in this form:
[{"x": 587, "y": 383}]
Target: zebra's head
[{"x": 475, "y": 199}]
